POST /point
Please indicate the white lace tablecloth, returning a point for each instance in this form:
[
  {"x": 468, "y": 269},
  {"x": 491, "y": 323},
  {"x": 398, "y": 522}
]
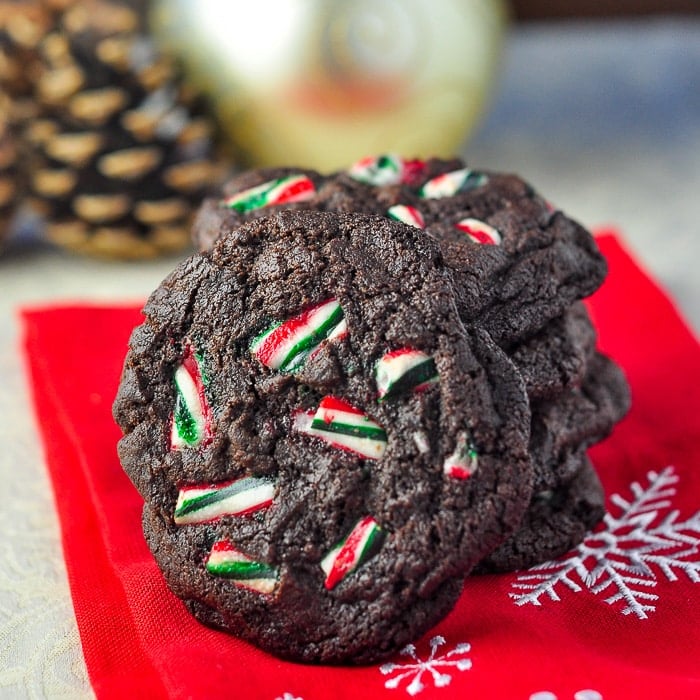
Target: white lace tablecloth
[{"x": 604, "y": 119}]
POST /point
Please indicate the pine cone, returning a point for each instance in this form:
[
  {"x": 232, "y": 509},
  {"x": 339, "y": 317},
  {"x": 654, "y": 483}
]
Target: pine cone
[
  {"x": 23, "y": 25},
  {"x": 121, "y": 151},
  {"x": 10, "y": 183}
]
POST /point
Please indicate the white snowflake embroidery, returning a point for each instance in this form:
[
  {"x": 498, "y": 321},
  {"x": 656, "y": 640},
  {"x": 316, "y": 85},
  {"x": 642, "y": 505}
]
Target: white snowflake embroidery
[
  {"x": 433, "y": 665},
  {"x": 628, "y": 555}
]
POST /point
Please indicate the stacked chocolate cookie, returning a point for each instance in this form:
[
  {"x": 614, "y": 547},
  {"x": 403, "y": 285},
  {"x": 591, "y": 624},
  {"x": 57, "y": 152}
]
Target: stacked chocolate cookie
[
  {"x": 365, "y": 386},
  {"x": 520, "y": 267},
  {"x": 324, "y": 449}
]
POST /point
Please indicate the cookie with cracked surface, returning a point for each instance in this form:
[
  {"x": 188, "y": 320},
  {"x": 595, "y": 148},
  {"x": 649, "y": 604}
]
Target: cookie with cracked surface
[
  {"x": 253, "y": 194},
  {"x": 555, "y": 359},
  {"x": 567, "y": 496},
  {"x": 517, "y": 262},
  {"x": 324, "y": 449},
  {"x": 564, "y": 427},
  {"x": 556, "y": 522}
]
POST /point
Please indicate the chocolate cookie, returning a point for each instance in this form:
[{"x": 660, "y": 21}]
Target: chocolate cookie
[
  {"x": 556, "y": 521},
  {"x": 555, "y": 359},
  {"x": 261, "y": 192},
  {"x": 324, "y": 450},
  {"x": 517, "y": 262},
  {"x": 567, "y": 497},
  {"x": 563, "y": 428}
]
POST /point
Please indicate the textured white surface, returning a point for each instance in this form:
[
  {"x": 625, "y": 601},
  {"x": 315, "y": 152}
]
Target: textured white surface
[
  {"x": 40, "y": 654},
  {"x": 603, "y": 119}
]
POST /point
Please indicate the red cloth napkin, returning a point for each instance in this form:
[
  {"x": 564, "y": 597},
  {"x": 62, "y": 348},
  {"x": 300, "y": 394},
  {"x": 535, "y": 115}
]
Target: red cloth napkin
[{"x": 617, "y": 618}]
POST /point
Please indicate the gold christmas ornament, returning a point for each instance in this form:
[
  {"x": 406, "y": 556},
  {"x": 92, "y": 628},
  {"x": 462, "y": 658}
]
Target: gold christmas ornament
[{"x": 323, "y": 82}]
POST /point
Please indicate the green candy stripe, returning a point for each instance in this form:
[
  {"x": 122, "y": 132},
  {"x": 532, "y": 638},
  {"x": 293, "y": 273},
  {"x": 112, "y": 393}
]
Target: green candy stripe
[
  {"x": 341, "y": 425},
  {"x": 189, "y": 505},
  {"x": 298, "y": 353},
  {"x": 293, "y": 188},
  {"x": 452, "y": 183},
  {"x": 361, "y": 543},
  {"x": 420, "y": 374},
  {"x": 377, "y": 170},
  {"x": 369, "y": 431},
  {"x": 191, "y": 423},
  {"x": 285, "y": 346},
  {"x": 185, "y": 423},
  {"x": 241, "y": 570},
  {"x": 225, "y": 561},
  {"x": 402, "y": 371}
]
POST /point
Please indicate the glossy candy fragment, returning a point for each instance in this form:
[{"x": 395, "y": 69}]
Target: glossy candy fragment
[
  {"x": 403, "y": 371},
  {"x": 226, "y": 561},
  {"x": 191, "y": 423},
  {"x": 201, "y": 504},
  {"x": 406, "y": 215},
  {"x": 285, "y": 346},
  {"x": 342, "y": 425},
  {"x": 420, "y": 439},
  {"x": 340, "y": 331},
  {"x": 463, "y": 462},
  {"x": 283, "y": 190},
  {"x": 452, "y": 183},
  {"x": 479, "y": 231},
  {"x": 385, "y": 170},
  {"x": 364, "y": 540}
]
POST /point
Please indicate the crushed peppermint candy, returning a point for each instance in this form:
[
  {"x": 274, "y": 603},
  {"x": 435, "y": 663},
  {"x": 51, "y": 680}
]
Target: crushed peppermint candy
[
  {"x": 479, "y": 231},
  {"x": 285, "y": 346},
  {"x": 402, "y": 371},
  {"x": 191, "y": 422},
  {"x": 363, "y": 542},
  {"x": 283, "y": 190},
  {"x": 227, "y": 562},
  {"x": 342, "y": 425},
  {"x": 201, "y": 504},
  {"x": 462, "y": 463},
  {"x": 385, "y": 170},
  {"x": 340, "y": 331},
  {"x": 421, "y": 442},
  {"x": 406, "y": 214},
  {"x": 452, "y": 183}
]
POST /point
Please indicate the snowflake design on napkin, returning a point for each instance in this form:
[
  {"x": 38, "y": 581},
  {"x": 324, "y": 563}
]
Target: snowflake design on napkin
[
  {"x": 642, "y": 543},
  {"x": 434, "y": 666}
]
